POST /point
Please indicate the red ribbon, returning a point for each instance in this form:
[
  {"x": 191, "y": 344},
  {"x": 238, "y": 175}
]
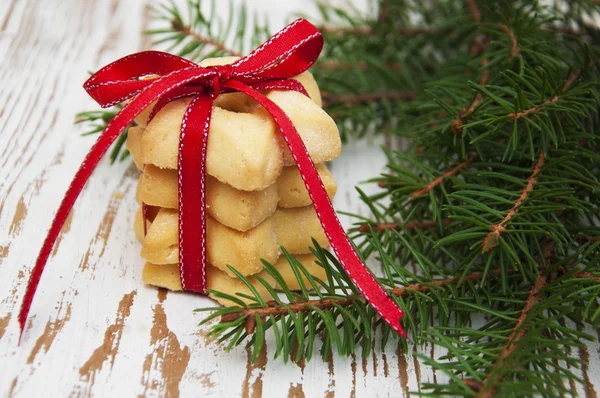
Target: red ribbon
[{"x": 288, "y": 53}]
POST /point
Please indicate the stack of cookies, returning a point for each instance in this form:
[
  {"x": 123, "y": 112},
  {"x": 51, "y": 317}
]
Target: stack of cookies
[{"x": 255, "y": 198}]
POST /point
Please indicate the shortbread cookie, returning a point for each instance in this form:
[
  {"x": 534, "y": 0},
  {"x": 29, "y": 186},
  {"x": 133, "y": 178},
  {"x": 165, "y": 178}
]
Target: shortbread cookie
[
  {"x": 309, "y": 262},
  {"x": 133, "y": 145},
  {"x": 243, "y": 149},
  {"x": 292, "y": 191},
  {"x": 138, "y": 226},
  {"x": 167, "y": 276},
  {"x": 240, "y": 210},
  {"x": 241, "y": 250},
  {"x": 296, "y": 228},
  {"x": 317, "y": 129}
]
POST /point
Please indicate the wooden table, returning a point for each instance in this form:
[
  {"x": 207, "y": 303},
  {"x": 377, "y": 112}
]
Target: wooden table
[{"x": 95, "y": 329}]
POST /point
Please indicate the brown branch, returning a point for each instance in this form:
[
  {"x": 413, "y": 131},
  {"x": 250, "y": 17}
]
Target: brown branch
[
  {"x": 353, "y": 99},
  {"x": 465, "y": 113},
  {"x": 276, "y": 309},
  {"x": 474, "y": 9},
  {"x": 529, "y": 111},
  {"x": 487, "y": 387},
  {"x": 450, "y": 173},
  {"x": 480, "y": 47},
  {"x": 409, "y": 226},
  {"x": 524, "y": 113},
  {"x": 588, "y": 238},
  {"x": 586, "y": 275},
  {"x": 273, "y": 308},
  {"x": 204, "y": 39},
  {"x": 386, "y": 183},
  {"x": 493, "y": 237},
  {"x": 514, "y": 51},
  {"x": 426, "y": 286}
]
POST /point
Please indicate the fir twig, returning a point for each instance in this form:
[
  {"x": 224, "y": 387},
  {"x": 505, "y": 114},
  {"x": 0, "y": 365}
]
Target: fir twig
[
  {"x": 474, "y": 10},
  {"x": 187, "y": 30},
  {"x": 487, "y": 387},
  {"x": 276, "y": 308},
  {"x": 422, "y": 225},
  {"x": 534, "y": 109},
  {"x": 450, "y": 173},
  {"x": 514, "y": 49},
  {"x": 493, "y": 237}
]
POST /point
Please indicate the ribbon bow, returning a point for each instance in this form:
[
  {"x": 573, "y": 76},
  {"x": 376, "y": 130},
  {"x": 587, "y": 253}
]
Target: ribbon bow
[{"x": 288, "y": 53}]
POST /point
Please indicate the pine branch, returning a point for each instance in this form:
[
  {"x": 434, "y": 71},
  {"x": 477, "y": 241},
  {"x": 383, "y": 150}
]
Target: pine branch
[
  {"x": 590, "y": 239},
  {"x": 188, "y": 31},
  {"x": 450, "y": 173},
  {"x": 514, "y": 50},
  {"x": 474, "y": 10},
  {"x": 493, "y": 237},
  {"x": 96, "y": 121},
  {"x": 586, "y": 275},
  {"x": 525, "y": 113},
  {"x": 420, "y": 31},
  {"x": 480, "y": 47},
  {"x": 465, "y": 113},
  {"x": 276, "y": 308},
  {"x": 422, "y": 225},
  {"x": 488, "y": 386}
]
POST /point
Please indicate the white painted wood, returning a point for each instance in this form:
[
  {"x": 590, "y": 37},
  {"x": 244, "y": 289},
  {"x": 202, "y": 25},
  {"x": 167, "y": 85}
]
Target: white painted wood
[{"x": 95, "y": 329}]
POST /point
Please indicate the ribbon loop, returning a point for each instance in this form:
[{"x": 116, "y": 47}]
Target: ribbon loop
[{"x": 288, "y": 53}]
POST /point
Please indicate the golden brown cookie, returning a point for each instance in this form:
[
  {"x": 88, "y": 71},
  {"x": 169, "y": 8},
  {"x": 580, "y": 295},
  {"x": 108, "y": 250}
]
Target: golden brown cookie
[
  {"x": 241, "y": 250},
  {"x": 296, "y": 228},
  {"x": 243, "y": 149},
  {"x": 293, "y": 193},
  {"x": 133, "y": 144},
  {"x": 240, "y": 210},
  {"x": 167, "y": 276},
  {"x": 317, "y": 129}
]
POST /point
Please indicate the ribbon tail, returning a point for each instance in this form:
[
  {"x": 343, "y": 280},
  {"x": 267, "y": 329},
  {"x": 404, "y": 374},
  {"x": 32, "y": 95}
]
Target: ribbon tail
[
  {"x": 150, "y": 94},
  {"x": 193, "y": 143},
  {"x": 102, "y": 144},
  {"x": 343, "y": 248}
]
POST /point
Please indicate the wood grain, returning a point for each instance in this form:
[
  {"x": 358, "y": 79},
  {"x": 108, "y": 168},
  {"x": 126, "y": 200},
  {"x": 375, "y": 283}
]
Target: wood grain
[{"x": 95, "y": 330}]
